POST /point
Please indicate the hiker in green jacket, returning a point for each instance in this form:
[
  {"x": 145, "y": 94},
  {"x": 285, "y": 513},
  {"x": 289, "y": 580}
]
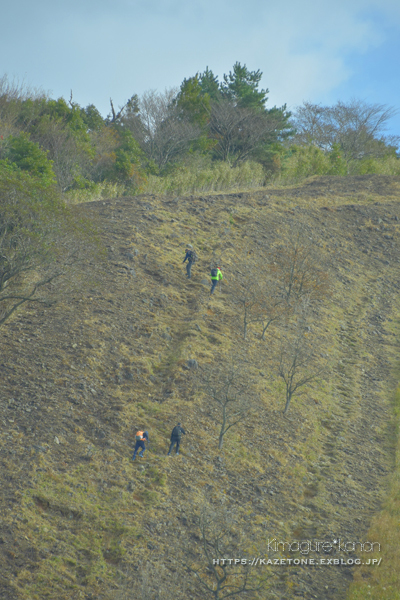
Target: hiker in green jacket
[{"x": 216, "y": 276}]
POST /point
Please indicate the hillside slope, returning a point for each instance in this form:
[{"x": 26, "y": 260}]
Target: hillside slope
[{"x": 78, "y": 518}]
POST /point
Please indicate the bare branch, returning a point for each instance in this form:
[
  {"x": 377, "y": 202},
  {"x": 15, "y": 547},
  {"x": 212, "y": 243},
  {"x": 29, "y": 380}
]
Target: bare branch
[
  {"x": 116, "y": 115},
  {"x": 357, "y": 127},
  {"x": 228, "y": 390},
  {"x": 213, "y": 567},
  {"x": 295, "y": 363},
  {"x": 298, "y": 269},
  {"x": 40, "y": 240},
  {"x": 160, "y": 128}
]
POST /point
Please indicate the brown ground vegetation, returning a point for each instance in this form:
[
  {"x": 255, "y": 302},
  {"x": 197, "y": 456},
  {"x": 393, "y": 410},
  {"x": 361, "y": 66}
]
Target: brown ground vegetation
[{"x": 78, "y": 519}]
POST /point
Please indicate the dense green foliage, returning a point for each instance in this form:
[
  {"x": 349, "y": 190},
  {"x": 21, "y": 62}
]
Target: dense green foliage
[
  {"x": 28, "y": 156},
  {"x": 40, "y": 239},
  {"x": 204, "y": 123},
  {"x": 30, "y": 216}
]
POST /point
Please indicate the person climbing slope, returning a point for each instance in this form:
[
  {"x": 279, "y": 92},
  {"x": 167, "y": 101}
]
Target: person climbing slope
[
  {"x": 216, "y": 275},
  {"x": 141, "y": 437},
  {"x": 176, "y": 435},
  {"x": 191, "y": 257}
]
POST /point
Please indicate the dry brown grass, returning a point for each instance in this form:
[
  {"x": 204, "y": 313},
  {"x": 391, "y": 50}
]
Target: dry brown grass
[{"x": 99, "y": 367}]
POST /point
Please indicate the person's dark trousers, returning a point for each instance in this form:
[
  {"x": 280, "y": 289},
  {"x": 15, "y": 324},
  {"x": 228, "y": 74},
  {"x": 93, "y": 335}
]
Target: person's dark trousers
[
  {"x": 213, "y": 286},
  {"x": 139, "y": 444},
  {"x": 188, "y": 269},
  {"x": 174, "y": 441}
]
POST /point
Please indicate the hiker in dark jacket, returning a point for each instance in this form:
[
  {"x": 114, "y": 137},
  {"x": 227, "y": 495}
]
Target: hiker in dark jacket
[
  {"x": 176, "y": 438},
  {"x": 191, "y": 258},
  {"x": 141, "y": 437}
]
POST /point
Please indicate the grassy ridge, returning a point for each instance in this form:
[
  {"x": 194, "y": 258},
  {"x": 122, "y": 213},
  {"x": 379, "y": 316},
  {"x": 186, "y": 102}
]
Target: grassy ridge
[{"x": 200, "y": 176}]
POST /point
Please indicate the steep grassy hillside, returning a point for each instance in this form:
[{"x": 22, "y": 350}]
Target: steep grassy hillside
[{"x": 79, "y": 519}]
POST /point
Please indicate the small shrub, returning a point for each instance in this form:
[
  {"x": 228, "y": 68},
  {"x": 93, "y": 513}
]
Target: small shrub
[
  {"x": 302, "y": 162},
  {"x": 389, "y": 165},
  {"x": 95, "y": 192}
]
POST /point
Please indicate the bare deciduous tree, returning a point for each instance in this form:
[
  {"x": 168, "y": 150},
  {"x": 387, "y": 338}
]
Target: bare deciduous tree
[
  {"x": 12, "y": 94},
  {"x": 356, "y": 126},
  {"x": 296, "y": 364},
  {"x": 260, "y": 299},
  {"x": 229, "y": 391},
  {"x": 40, "y": 242},
  {"x": 160, "y": 128},
  {"x": 214, "y": 567},
  {"x": 298, "y": 268},
  {"x": 238, "y": 132},
  {"x": 274, "y": 309},
  {"x": 249, "y": 297},
  {"x": 115, "y": 116},
  {"x": 68, "y": 159},
  {"x": 294, "y": 272}
]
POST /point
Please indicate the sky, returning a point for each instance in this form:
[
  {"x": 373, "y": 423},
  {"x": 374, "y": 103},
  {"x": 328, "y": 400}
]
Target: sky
[{"x": 319, "y": 51}]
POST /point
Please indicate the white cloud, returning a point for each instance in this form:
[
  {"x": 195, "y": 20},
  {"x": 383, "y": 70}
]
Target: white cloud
[{"x": 115, "y": 48}]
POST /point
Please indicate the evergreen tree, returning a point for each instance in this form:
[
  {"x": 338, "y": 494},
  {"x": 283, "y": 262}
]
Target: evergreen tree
[
  {"x": 209, "y": 84},
  {"x": 241, "y": 86},
  {"x": 193, "y": 101},
  {"x": 92, "y": 118},
  {"x": 27, "y": 156}
]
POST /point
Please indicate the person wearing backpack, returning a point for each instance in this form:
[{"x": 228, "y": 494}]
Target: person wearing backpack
[
  {"x": 141, "y": 437},
  {"x": 191, "y": 257},
  {"x": 176, "y": 435},
  {"x": 216, "y": 276}
]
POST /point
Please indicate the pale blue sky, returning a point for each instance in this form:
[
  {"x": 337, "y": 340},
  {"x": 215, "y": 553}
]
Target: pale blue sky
[{"x": 315, "y": 50}]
